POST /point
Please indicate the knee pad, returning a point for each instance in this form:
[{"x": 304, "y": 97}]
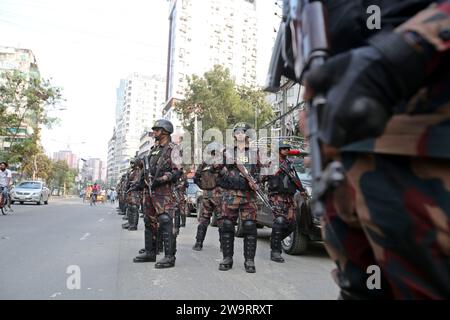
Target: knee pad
[
  {"x": 280, "y": 223},
  {"x": 249, "y": 227},
  {"x": 164, "y": 219},
  {"x": 227, "y": 226}
]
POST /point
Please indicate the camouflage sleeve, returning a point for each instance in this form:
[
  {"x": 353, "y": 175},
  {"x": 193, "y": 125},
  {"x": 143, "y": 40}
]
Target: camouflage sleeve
[
  {"x": 432, "y": 25},
  {"x": 172, "y": 165}
]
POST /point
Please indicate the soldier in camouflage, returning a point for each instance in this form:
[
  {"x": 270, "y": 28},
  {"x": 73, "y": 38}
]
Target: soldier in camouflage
[
  {"x": 238, "y": 198},
  {"x": 160, "y": 206},
  {"x": 388, "y": 121},
  {"x": 207, "y": 178},
  {"x": 133, "y": 195},
  {"x": 282, "y": 185}
]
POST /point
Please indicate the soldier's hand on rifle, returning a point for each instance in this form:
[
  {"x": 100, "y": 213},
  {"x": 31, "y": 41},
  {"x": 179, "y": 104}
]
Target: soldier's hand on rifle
[{"x": 363, "y": 85}]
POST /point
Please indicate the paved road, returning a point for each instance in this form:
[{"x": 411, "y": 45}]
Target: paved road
[{"x": 41, "y": 246}]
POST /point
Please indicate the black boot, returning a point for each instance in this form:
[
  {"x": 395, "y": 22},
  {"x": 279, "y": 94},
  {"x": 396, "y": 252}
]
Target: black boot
[
  {"x": 134, "y": 218},
  {"x": 275, "y": 244},
  {"x": 227, "y": 242},
  {"x": 201, "y": 233},
  {"x": 149, "y": 254},
  {"x": 159, "y": 242},
  {"x": 249, "y": 253},
  {"x": 183, "y": 220},
  {"x": 166, "y": 225},
  {"x": 250, "y": 237}
]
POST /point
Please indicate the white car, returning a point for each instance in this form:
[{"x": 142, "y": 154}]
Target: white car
[{"x": 30, "y": 191}]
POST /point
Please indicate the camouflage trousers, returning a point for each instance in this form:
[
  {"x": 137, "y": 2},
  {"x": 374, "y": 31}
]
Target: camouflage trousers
[
  {"x": 235, "y": 202},
  {"x": 283, "y": 206},
  {"x": 211, "y": 202},
  {"x": 181, "y": 204},
  {"x": 392, "y": 212},
  {"x": 161, "y": 201},
  {"x": 134, "y": 198}
]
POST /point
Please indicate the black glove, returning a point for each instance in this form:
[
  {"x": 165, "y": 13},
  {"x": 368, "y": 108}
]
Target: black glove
[{"x": 362, "y": 87}]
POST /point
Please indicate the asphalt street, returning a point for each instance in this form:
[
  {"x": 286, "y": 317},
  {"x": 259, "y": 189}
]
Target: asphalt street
[{"x": 70, "y": 250}]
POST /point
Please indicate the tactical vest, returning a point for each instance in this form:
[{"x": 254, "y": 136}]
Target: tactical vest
[
  {"x": 281, "y": 183},
  {"x": 208, "y": 178}
]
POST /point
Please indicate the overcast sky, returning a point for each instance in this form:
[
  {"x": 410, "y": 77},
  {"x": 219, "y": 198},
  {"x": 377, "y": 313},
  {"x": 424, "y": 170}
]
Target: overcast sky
[{"x": 86, "y": 47}]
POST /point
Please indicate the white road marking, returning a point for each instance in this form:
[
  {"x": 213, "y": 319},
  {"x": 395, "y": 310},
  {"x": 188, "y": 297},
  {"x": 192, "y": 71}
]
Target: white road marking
[
  {"x": 55, "y": 294},
  {"x": 85, "y": 236}
]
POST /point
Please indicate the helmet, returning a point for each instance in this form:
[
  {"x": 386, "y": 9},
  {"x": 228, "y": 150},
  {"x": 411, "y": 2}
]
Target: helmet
[
  {"x": 241, "y": 126},
  {"x": 164, "y": 124},
  {"x": 284, "y": 144}
]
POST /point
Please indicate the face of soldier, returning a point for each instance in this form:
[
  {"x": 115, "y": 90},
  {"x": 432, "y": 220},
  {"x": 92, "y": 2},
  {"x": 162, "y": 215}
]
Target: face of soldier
[
  {"x": 284, "y": 152},
  {"x": 2, "y": 167},
  {"x": 240, "y": 135},
  {"x": 157, "y": 132}
]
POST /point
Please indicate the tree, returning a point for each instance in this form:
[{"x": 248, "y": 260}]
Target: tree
[
  {"x": 62, "y": 177},
  {"x": 220, "y": 103},
  {"x": 25, "y": 100}
]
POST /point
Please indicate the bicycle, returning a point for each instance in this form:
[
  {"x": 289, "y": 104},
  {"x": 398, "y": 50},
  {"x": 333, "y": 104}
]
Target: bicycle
[
  {"x": 4, "y": 202},
  {"x": 93, "y": 199}
]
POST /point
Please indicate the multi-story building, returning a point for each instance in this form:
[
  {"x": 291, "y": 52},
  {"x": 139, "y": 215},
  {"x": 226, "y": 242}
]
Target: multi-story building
[
  {"x": 203, "y": 34},
  {"x": 110, "y": 174},
  {"x": 146, "y": 142},
  {"x": 66, "y": 155},
  {"x": 22, "y": 60},
  {"x": 139, "y": 104},
  {"x": 18, "y": 59},
  {"x": 95, "y": 168}
]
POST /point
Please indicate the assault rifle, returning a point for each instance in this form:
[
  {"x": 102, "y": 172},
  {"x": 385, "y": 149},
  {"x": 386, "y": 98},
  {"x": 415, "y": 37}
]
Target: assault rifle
[
  {"x": 253, "y": 185},
  {"x": 304, "y": 46}
]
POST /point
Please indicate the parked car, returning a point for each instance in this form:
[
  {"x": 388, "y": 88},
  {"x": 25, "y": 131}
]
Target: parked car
[
  {"x": 30, "y": 191},
  {"x": 193, "y": 197},
  {"x": 308, "y": 229}
]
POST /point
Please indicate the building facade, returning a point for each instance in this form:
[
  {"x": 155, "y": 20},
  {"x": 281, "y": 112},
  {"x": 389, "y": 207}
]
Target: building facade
[
  {"x": 140, "y": 100},
  {"x": 217, "y": 32}
]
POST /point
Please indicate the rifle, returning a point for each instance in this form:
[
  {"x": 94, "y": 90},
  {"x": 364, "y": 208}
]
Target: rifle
[
  {"x": 310, "y": 48},
  {"x": 177, "y": 223},
  {"x": 292, "y": 174},
  {"x": 252, "y": 183}
]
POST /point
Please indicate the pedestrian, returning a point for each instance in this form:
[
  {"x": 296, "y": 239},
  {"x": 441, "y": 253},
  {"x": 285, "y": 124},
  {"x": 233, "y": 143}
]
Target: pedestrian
[
  {"x": 207, "y": 178},
  {"x": 388, "y": 123},
  {"x": 238, "y": 199},
  {"x": 160, "y": 205}
]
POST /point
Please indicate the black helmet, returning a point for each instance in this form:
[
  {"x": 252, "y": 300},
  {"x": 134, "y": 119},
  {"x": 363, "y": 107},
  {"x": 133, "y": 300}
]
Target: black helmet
[
  {"x": 284, "y": 144},
  {"x": 164, "y": 124},
  {"x": 241, "y": 126}
]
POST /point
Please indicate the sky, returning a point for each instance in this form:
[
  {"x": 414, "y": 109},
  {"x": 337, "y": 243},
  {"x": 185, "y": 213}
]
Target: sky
[{"x": 86, "y": 47}]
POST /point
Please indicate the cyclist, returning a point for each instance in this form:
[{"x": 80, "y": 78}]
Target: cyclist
[{"x": 5, "y": 182}]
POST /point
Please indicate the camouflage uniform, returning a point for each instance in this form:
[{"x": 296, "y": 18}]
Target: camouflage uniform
[
  {"x": 180, "y": 189},
  {"x": 134, "y": 196},
  {"x": 206, "y": 177},
  {"x": 160, "y": 205},
  {"x": 281, "y": 197},
  {"x": 393, "y": 210},
  {"x": 121, "y": 194},
  {"x": 238, "y": 198}
]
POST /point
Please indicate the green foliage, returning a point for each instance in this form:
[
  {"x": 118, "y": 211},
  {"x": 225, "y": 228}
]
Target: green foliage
[
  {"x": 220, "y": 103},
  {"x": 62, "y": 175},
  {"x": 24, "y": 104}
]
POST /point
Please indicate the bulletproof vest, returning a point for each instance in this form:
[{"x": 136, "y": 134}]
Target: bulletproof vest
[
  {"x": 208, "y": 178},
  {"x": 281, "y": 183},
  {"x": 155, "y": 153},
  {"x": 234, "y": 180}
]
